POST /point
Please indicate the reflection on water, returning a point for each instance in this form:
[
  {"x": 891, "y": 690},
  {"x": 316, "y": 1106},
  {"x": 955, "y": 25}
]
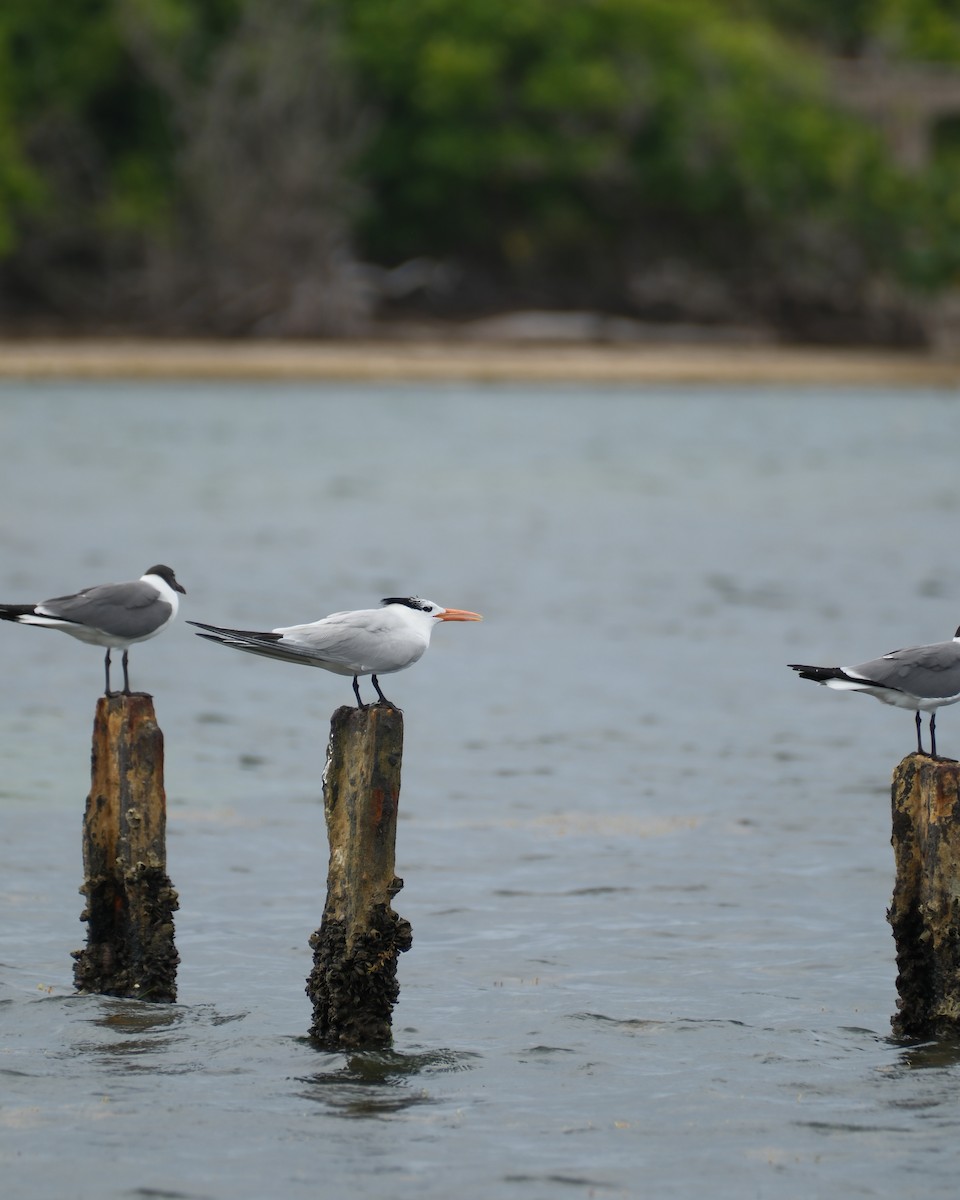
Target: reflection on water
[
  {"x": 377, "y": 1083},
  {"x": 647, "y": 871},
  {"x": 126, "y": 1036},
  {"x": 389, "y": 1066},
  {"x": 137, "y": 1019},
  {"x": 936, "y": 1055}
]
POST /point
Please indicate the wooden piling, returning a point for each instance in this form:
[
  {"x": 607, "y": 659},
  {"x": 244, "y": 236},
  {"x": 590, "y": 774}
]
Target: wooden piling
[
  {"x": 353, "y": 985},
  {"x": 925, "y": 911},
  {"x": 130, "y": 900}
]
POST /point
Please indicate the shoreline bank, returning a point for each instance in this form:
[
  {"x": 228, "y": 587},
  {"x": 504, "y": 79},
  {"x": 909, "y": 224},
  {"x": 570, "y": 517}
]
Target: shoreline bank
[{"x": 386, "y": 361}]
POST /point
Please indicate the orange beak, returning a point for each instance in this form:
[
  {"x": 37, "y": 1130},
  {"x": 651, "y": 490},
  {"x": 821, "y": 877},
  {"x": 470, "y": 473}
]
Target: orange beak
[{"x": 458, "y": 614}]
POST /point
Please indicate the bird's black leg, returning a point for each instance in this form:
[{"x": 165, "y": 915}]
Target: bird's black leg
[
  {"x": 106, "y": 668},
  {"x": 919, "y": 743},
  {"x": 356, "y": 692},
  {"x": 126, "y": 677},
  {"x": 383, "y": 699},
  {"x": 933, "y": 736}
]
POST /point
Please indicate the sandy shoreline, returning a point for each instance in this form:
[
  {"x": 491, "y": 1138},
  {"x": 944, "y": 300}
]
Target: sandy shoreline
[{"x": 384, "y": 361}]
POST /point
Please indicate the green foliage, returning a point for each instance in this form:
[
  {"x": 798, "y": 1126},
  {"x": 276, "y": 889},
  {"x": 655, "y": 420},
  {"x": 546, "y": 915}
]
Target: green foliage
[
  {"x": 921, "y": 29},
  {"x": 562, "y": 132},
  {"x": 840, "y": 26},
  {"x": 87, "y": 135},
  {"x": 566, "y": 143},
  {"x": 77, "y": 118},
  {"x": 20, "y": 186},
  {"x": 924, "y": 29}
]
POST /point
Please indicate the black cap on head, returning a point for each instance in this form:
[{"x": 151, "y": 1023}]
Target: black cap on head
[
  {"x": 166, "y": 574},
  {"x": 409, "y": 601}
]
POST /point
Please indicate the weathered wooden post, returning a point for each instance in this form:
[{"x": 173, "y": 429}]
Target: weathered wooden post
[
  {"x": 130, "y": 901},
  {"x": 353, "y": 985},
  {"x": 925, "y": 911}
]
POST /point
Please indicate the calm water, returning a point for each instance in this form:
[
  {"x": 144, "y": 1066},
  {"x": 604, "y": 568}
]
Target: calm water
[{"x": 646, "y": 867}]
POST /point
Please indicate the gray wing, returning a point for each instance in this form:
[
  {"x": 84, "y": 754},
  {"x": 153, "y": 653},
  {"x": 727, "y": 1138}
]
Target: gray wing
[
  {"x": 125, "y": 610},
  {"x": 927, "y": 671},
  {"x": 362, "y": 641}
]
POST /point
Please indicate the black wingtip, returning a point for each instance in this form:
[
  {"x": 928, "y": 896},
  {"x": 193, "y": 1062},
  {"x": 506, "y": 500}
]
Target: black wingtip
[
  {"x": 13, "y": 612},
  {"x": 200, "y": 625},
  {"x": 817, "y": 674},
  {"x": 217, "y": 633}
]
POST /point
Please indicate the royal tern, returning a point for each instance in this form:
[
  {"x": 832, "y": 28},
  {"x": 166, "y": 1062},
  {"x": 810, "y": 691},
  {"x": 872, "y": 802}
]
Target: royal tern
[
  {"x": 114, "y": 615},
  {"x": 922, "y": 678},
  {"x": 367, "y": 641}
]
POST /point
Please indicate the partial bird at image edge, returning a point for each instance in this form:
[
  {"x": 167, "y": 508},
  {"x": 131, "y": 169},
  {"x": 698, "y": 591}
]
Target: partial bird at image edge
[{"x": 920, "y": 678}]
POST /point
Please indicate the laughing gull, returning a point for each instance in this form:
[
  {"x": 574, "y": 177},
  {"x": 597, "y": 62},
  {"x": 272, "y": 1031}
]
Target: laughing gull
[
  {"x": 922, "y": 678},
  {"x": 114, "y": 615},
  {"x": 366, "y": 641}
]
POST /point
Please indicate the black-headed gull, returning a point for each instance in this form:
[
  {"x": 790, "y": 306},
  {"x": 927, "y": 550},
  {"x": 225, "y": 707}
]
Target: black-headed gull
[{"x": 114, "y": 615}]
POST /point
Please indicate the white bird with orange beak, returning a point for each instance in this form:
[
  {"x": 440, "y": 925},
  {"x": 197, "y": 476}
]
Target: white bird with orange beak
[{"x": 366, "y": 641}]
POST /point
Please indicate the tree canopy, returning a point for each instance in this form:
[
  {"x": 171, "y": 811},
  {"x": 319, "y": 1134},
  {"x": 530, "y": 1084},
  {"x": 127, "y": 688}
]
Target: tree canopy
[{"x": 229, "y": 166}]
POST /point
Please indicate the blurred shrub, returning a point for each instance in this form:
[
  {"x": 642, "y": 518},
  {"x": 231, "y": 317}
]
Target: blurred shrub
[
  {"x": 178, "y": 164},
  {"x": 564, "y": 150},
  {"x": 211, "y": 166},
  {"x": 923, "y": 29}
]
